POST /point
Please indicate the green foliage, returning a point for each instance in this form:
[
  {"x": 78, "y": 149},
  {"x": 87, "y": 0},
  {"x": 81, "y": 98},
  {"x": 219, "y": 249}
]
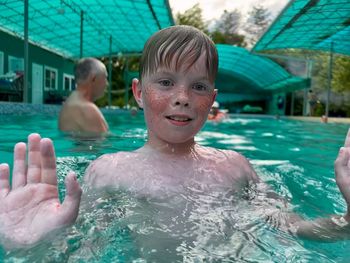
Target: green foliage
[
  {"x": 226, "y": 29},
  {"x": 319, "y": 109},
  {"x": 230, "y": 39},
  {"x": 120, "y": 66},
  {"x": 192, "y": 17},
  {"x": 341, "y": 74}
]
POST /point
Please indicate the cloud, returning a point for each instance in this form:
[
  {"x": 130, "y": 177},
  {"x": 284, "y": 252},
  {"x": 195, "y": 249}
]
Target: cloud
[{"x": 212, "y": 9}]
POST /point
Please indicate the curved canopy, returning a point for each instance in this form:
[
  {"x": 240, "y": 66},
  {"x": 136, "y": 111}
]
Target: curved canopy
[
  {"x": 310, "y": 24},
  {"x": 243, "y": 72},
  {"x": 56, "y": 24}
]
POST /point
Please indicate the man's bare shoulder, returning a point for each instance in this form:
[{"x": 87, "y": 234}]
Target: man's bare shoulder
[{"x": 82, "y": 116}]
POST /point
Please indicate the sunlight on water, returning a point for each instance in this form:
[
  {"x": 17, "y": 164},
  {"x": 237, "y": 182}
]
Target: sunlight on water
[{"x": 200, "y": 223}]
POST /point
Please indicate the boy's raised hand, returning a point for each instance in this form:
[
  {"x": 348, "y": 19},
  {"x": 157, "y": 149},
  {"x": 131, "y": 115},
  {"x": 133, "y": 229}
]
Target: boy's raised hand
[
  {"x": 342, "y": 172},
  {"x": 30, "y": 209}
]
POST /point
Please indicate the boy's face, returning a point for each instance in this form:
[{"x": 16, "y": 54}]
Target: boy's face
[{"x": 176, "y": 103}]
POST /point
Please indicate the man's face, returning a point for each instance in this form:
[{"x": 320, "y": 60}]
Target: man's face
[
  {"x": 176, "y": 103},
  {"x": 100, "y": 83}
]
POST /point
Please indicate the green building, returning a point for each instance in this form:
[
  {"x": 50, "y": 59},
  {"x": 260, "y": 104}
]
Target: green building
[{"x": 51, "y": 75}]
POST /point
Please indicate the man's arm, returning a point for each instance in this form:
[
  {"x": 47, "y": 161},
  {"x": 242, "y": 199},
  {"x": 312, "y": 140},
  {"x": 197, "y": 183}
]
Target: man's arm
[{"x": 30, "y": 208}]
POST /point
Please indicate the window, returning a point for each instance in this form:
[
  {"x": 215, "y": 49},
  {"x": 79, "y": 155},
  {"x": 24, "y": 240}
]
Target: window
[
  {"x": 16, "y": 64},
  {"x": 68, "y": 82},
  {"x": 1, "y": 63},
  {"x": 50, "y": 78}
]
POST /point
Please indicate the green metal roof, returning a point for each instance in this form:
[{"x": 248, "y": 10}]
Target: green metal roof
[
  {"x": 55, "y": 24},
  {"x": 243, "y": 72},
  {"x": 310, "y": 24}
]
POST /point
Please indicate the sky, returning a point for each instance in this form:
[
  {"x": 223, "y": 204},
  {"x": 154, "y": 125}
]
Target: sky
[{"x": 212, "y": 9}]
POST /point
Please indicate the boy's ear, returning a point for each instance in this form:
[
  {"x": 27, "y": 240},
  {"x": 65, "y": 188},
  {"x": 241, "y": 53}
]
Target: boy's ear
[
  {"x": 214, "y": 96},
  {"x": 137, "y": 91}
]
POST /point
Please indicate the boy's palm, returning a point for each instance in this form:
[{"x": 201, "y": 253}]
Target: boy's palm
[
  {"x": 342, "y": 170},
  {"x": 31, "y": 208}
]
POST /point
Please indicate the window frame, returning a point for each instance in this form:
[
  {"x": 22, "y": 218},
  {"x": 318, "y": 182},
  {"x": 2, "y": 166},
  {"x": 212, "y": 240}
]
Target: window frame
[
  {"x": 71, "y": 79},
  {"x": 10, "y": 58},
  {"x": 56, "y": 79}
]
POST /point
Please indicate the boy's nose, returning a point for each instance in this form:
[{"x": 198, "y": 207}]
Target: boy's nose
[{"x": 182, "y": 97}]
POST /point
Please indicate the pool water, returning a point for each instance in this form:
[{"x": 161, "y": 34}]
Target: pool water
[{"x": 295, "y": 158}]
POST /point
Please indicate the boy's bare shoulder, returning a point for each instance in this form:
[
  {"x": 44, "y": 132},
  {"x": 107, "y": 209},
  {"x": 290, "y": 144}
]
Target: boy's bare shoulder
[
  {"x": 233, "y": 164},
  {"x": 104, "y": 170}
]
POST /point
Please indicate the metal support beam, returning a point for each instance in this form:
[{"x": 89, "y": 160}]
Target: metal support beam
[
  {"x": 126, "y": 80},
  {"x": 26, "y": 53},
  {"x": 110, "y": 72},
  {"x": 330, "y": 75},
  {"x": 309, "y": 64},
  {"x": 81, "y": 32}
]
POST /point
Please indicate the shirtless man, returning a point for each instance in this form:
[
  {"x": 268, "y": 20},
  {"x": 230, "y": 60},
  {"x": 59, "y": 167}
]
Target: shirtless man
[
  {"x": 79, "y": 114},
  {"x": 176, "y": 91}
]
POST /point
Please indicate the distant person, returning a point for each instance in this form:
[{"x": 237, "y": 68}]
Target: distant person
[
  {"x": 215, "y": 114},
  {"x": 79, "y": 114},
  {"x": 312, "y": 102},
  {"x": 133, "y": 111},
  {"x": 176, "y": 91}
]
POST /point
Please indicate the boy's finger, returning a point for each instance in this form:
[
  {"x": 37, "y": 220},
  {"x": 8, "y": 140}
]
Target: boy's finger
[
  {"x": 48, "y": 162},
  {"x": 19, "y": 166},
  {"x": 4, "y": 178},
  {"x": 34, "y": 159},
  {"x": 70, "y": 206},
  {"x": 347, "y": 139}
]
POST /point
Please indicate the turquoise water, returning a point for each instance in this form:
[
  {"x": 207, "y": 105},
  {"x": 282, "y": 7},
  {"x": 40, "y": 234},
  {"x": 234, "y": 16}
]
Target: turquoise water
[{"x": 296, "y": 158}]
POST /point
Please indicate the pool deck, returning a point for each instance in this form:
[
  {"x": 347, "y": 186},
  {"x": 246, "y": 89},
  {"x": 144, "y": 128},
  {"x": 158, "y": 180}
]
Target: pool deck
[
  {"x": 318, "y": 119},
  {"x": 299, "y": 118}
]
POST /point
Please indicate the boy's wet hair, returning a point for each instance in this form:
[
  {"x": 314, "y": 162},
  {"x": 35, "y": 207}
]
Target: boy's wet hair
[
  {"x": 182, "y": 45},
  {"x": 85, "y": 67}
]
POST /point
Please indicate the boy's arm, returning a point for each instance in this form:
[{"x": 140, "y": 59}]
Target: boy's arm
[
  {"x": 324, "y": 229},
  {"x": 30, "y": 208},
  {"x": 335, "y": 227}
]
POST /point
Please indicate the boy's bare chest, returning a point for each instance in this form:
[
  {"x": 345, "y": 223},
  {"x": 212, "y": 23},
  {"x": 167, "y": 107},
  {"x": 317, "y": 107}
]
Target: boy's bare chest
[{"x": 176, "y": 176}]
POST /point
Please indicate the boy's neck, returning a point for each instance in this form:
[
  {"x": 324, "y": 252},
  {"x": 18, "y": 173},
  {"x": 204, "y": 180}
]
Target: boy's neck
[{"x": 182, "y": 149}]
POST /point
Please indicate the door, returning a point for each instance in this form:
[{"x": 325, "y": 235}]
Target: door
[{"x": 37, "y": 84}]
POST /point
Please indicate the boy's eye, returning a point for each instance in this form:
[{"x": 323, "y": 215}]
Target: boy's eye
[
  {"x": 200, "y": 87},
  {"x": 165, "y": 82}
]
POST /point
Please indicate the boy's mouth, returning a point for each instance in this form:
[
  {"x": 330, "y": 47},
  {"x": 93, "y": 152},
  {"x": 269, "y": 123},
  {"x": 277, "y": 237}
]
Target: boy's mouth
[{"x": 179, "y": 118}]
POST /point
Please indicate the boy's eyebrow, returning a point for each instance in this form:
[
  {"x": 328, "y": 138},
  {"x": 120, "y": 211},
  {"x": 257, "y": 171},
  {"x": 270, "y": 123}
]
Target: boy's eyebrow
[{"x": 170, "y": 73}]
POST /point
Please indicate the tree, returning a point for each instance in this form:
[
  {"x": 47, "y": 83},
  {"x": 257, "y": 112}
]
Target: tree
[
  {"x": 229, "y": 22},
  {"x": 226, "y": 29},
  {"x": 230, "y": 39},
  {"x": 192, "y": 17},
  {"x": 257, "y": 22}
]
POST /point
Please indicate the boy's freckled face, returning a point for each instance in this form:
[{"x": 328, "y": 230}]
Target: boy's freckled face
[{"x": 176, "y": 103}]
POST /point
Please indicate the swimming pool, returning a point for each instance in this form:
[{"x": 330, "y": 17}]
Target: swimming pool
[{"x": 296, "y": 158}]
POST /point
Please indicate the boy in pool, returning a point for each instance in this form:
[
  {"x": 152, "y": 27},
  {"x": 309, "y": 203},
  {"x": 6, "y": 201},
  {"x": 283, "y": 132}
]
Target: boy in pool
[{"x": 176, "y": 91}]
